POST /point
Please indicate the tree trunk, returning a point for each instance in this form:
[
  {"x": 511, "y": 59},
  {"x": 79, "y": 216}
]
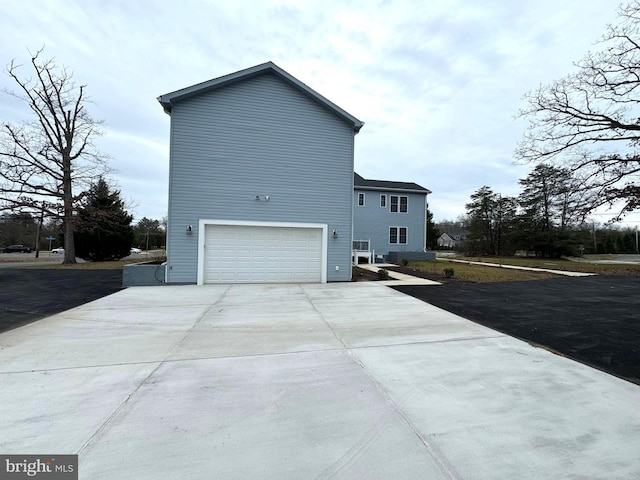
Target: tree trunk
[{"x": 69, "y": 244}]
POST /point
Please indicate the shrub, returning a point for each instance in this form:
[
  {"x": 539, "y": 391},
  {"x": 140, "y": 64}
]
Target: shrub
[
  {"x": 448, "y": 272},
  {"x": 404, "y": 262},
  {"x": 383, "y": 274}
]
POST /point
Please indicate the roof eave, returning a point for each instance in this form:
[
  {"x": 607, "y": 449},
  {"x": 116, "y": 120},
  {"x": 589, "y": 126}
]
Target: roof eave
[{"x": 425, "y": 191}]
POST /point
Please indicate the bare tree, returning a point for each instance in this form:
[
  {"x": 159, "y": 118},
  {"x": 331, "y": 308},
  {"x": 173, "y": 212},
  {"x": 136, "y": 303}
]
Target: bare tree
[
  {"x": 47, "y": 163},
  {"x": 589, "y": 121}
]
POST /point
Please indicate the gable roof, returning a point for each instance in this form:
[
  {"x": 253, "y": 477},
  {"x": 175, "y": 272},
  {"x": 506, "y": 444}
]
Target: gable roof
[
  {"x": 446, "y": 236},
  {"x": 455, "y": 236},
  {"x": 405, "y": 187},
  {"x": 169, "y": 99}
]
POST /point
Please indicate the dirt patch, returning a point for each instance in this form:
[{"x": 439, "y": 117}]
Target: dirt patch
[{"x": 363, "y": 275}]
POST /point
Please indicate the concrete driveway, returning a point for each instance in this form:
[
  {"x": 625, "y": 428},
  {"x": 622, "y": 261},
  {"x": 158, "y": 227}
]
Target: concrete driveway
[{"x": 304, "y": 381}]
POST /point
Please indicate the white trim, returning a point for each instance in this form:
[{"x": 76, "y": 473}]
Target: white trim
[
  {"x": 399, "y": 203},
  {"x": 204, "y": 222},
  {"x": 398, "y": 235}
]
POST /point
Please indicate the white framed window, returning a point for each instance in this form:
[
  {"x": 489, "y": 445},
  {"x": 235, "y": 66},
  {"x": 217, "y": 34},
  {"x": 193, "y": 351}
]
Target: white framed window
[
  {"x": 361, "y": 199},
  {"x": 398, "y": 235},
  {"x": 399, "y": 203},
  {"x": 383, "y": 200}
]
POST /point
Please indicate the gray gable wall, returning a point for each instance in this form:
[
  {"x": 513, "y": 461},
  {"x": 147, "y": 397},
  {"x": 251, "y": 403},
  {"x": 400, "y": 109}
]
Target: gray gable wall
[{"x": 258, "y": 136}]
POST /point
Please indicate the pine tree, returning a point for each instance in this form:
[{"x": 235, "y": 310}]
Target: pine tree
[
  {"x": 432, "y": 232},
  {"x": 103, "y": 228}
]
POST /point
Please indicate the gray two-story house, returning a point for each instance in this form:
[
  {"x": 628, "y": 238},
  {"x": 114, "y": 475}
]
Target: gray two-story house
[
  {"x": 389, "y": 219},
  {"x": 260, "y": 181}
]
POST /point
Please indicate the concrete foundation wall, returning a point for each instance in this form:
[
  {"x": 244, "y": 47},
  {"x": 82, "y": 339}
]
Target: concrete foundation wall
[
  {"x": 143, "y": 275},
  {"x": 396, "y": 257}
]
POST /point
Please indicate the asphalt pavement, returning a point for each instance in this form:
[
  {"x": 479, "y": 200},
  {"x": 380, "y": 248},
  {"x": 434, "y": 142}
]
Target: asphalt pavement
[
  {"x": 29, "y": 294},
  {"x": 595, "y": 320}
]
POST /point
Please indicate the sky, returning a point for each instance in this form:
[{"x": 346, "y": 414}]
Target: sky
[{"x": 438, "y": 83}]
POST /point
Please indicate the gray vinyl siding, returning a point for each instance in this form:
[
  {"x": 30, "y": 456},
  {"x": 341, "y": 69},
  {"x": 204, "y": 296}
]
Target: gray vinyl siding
[
  {"x": 259, "y": 136},
  {"x": 372, "y": 221}
]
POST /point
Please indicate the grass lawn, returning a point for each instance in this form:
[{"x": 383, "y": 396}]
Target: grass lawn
[
  {"x": 116, "y": 265},
  {"x": 571, "y": 265},
  {"x": 30, "y": 258},
  {"x": 113, "y": 265},
  {"x": 481, "y": 274},
  {"x": 153, "y": 256},
  {"x": 478, "y": 273}
]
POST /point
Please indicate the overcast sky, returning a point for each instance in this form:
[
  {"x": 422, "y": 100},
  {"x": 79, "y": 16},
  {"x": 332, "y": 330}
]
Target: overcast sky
[{"x": 436, "y": 82}]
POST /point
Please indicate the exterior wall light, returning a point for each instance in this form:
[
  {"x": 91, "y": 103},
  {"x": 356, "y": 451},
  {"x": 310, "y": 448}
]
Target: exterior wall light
[
  {"x": 335, "y": 234},
  {"x": 189, "y": 229}
]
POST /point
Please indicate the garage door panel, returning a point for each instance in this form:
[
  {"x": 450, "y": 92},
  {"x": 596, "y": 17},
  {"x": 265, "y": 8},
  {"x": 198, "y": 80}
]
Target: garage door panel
[{"x": 262, "y": 254}]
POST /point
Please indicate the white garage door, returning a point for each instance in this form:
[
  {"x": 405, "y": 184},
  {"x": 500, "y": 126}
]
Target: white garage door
[{"x": 262, "y": 254}]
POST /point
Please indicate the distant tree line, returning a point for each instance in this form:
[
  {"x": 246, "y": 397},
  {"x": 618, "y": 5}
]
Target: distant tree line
[
  {"x": 103, "y": 229},
  {"x": 549, "y": 218},
  {"x": 150, "y": 234}
]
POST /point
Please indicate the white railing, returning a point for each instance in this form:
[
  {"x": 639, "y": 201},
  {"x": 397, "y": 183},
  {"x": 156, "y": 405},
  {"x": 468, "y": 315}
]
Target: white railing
[
  {"x": 362, "y": 249},
  {"x": 361, "y": 245}
]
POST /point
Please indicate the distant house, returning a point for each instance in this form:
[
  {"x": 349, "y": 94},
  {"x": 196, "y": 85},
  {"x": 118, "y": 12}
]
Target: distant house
[
  {"x": 451, "y": 240},
  {"x": 389, "y": 219},
  {"x": 260, "y": 181}
]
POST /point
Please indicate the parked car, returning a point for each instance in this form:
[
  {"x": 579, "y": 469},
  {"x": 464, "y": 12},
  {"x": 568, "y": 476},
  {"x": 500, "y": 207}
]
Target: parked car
[
  {"x": 135, "y": 250},
  {"x": 16, "y": 249},
  {"x": 57, "y": 250}
]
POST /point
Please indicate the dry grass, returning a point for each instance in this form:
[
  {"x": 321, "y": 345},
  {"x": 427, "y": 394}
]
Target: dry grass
[
  {"x": 152, "y": 256},
  {"x": 479, "y": 273},
  {"x": 570, "y": 265},
  {"x": 116, "y": 265},
  {"x": 30, "y": 258}
]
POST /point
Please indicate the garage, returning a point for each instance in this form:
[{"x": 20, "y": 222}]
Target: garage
[{"x": 263, "y": 253}]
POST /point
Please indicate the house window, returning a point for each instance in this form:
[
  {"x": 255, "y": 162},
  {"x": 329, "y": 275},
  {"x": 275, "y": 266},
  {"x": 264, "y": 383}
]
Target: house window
[
  {"x": 403, "y": 205},
  {"x": 399, "y": 204},
  {"x": 398, "y": 235},
  {"x": 361, "y": 199},
  {"x": 383, "y": 200}
]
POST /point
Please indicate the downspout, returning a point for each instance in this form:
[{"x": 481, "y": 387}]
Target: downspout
[{"x": 426, "y": 222}]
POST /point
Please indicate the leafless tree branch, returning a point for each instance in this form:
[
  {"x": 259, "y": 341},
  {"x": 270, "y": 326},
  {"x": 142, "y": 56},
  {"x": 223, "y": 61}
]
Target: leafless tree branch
[
  {"x": 589, "y": 121},
  {"x": 48, "y": 162}
]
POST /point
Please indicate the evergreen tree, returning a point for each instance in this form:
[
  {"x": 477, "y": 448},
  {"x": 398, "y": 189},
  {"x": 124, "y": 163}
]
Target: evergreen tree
[
  {"x": 432, "y": 232},
  {"x": 552, "y": 202},
  {"x": 103, "y": 227},
  {"x": 149, "y": 234},
  {"x": 481, "y": 237}
]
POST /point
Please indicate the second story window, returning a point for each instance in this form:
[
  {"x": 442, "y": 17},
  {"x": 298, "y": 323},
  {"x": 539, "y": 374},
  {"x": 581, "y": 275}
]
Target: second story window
[
  {"x": 399, "y": 204},
  {"x": 383, "y": 201},
  {"x": 361, "y": 199}
]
